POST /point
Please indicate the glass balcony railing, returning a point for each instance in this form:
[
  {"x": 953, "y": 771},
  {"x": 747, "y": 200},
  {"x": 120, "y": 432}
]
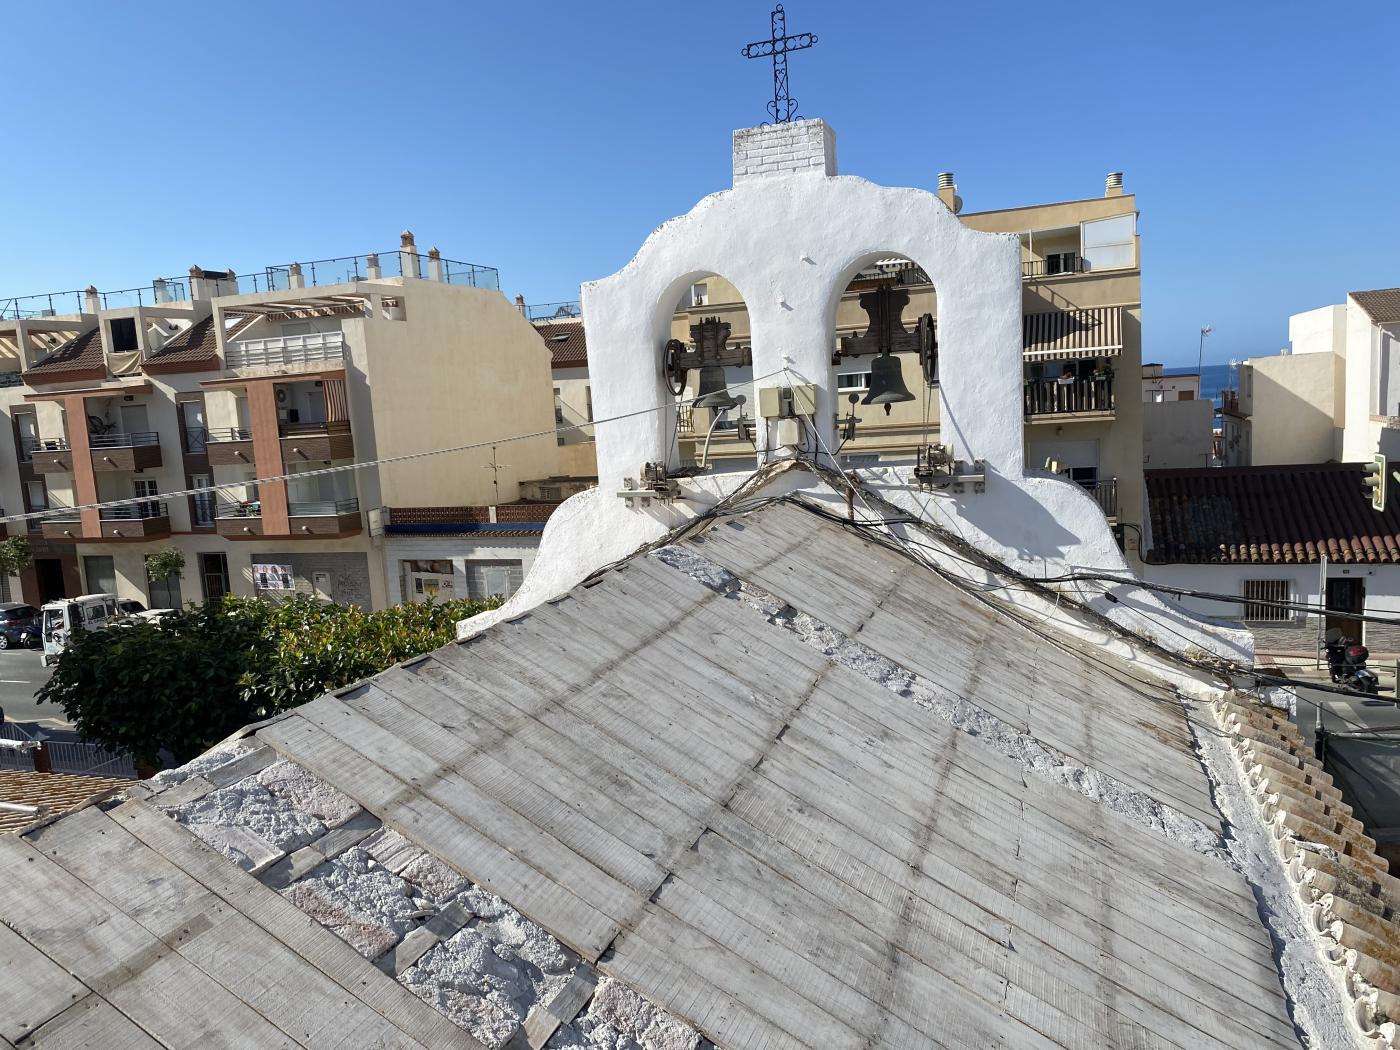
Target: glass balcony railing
[{"x": 322, "y": 508}]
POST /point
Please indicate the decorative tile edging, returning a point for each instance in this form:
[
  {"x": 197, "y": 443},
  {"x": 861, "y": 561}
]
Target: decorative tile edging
[{"x": 1348, "y": 891}]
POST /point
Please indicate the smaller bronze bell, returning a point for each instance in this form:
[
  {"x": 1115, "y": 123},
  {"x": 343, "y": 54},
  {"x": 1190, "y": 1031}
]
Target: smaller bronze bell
[
  {"x": 886, "y": 383},
  {"x": 714, "y": 390}
]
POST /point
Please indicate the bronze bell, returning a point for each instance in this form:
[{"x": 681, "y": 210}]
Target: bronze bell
[
  {"x": 714, "y": 390},
  {"x": 886, "y": 383}
]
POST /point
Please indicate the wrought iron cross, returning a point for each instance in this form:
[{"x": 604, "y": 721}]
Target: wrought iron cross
[{"x": 784, "y": 106}]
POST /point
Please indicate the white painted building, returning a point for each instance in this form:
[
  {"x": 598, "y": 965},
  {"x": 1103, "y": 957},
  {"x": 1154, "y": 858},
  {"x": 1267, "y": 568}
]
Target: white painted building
[{"x": 1177, "y": 425}]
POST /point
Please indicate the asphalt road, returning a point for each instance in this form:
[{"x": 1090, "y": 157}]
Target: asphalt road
[{"x": 20, "y": 676}]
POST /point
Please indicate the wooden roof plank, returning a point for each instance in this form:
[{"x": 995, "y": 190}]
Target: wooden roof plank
[
  {"x": 92, "y": 1024},
  {"x": 248, "y": 960},
  {"x": 33, "y": 988},
  {"x": 159, "y": 990}
]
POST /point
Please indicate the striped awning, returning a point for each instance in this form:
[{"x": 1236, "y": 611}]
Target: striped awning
[{"x": 1071, "y": 334}]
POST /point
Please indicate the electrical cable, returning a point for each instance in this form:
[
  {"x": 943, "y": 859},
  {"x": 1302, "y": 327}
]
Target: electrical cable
[{"x": 345, "y": 467}]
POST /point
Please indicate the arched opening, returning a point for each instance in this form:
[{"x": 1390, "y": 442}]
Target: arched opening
[
  {"x": 710, "y": 317},
  {"x": 887, "y": 410}
]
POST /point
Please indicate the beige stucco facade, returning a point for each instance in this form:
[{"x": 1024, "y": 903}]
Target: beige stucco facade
[{"x": 288, "y": 384}]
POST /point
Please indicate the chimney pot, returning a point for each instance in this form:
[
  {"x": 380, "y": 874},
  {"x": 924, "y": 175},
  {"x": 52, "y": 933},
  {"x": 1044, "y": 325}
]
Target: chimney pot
[
  {"x": 195, "y": 271},
  {"x": 1113, "y": 184},
  {"x": 948, "y": 191},
  {"x": 406, "y": 239},
  {"x": 433, "y": 253}
]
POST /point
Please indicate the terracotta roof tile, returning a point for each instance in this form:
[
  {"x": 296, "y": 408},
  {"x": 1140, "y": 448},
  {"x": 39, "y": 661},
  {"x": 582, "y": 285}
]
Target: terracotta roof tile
[
  {"x": 196, "y": 349},
  {"x": 79, "y": 358},
  {"x": 567, "y": 343},
  {"x": 1383, "y": 304},
  {"x": 1268, "y": 515},
  {"x": 59, "y": 792}
]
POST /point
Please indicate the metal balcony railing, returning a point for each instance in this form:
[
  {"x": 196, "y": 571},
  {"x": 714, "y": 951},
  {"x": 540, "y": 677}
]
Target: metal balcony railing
[
  {"x": 1105, "y": 494},
  {"x": 123, "y": 439},
  {"x": 217, "y": 434},
  {"x": 311, "y": 429},
  {"x": 143, "y": 511},
  {"x": 322, "y": 508},
  {"x": 244, "y": 508},
  {"x": 282, "y": 351},
  {"x": 1046, "y": 268},
  {"x": 195, "y": 440},
  {"x": 32, "y": 445},
  {"x": 1056, "y": 396}
]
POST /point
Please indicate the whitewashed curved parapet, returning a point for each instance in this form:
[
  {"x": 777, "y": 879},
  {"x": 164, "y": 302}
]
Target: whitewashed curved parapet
[{"x": 790, "y": 243}]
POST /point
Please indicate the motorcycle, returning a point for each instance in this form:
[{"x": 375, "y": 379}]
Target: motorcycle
[{"x": 1346, "y": 663}]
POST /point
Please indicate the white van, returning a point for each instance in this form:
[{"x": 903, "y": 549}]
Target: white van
[{"x": 89, "y": 611}]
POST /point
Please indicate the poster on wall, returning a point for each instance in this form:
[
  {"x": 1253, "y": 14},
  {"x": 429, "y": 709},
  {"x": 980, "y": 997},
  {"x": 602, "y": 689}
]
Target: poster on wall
[{"x": 273, "y": 578}]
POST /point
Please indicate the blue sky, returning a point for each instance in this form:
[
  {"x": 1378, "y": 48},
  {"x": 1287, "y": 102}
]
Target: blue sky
[{"x": 549, "y": 138}]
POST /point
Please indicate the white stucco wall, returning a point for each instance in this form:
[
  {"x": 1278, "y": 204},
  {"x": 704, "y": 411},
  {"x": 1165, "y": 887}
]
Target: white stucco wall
[
  {"x": 1320, "y": 331},
  {"x": 1382, "y": 586}
]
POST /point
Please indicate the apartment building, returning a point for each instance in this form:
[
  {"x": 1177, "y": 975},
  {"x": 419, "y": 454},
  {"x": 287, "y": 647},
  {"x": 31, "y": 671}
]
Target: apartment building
[
  {"x": 1082, "y": 340},
  {"x": 206, "y": 383},
  {"x": 1332, "y": 394},
  {"x": 1177, "y": 424}
]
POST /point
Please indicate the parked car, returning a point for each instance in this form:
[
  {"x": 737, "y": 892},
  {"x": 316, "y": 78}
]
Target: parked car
[{"x": 19, "y": 626}]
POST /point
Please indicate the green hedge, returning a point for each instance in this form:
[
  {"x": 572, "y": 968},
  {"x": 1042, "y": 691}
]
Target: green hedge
[{"x": 180, "y": 687}]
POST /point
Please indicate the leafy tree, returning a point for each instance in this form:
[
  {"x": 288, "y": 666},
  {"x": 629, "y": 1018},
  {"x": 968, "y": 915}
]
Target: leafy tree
[
  {"x": 15, "y": 556},
  {"x": 165, "y": 563},
  {"x": 187, "y": 683},
  {"x": 142, "y": 689}
]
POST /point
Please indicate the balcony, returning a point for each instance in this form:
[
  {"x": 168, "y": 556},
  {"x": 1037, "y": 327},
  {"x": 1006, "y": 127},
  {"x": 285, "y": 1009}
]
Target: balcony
[
  {"x": 324, "y": 519},
  {"x": 229, "y": 446},
  {"x": 1105, "y": 494},
  {"x": 49, "y": 455},
  {"x": 133, "y": 523},
  {"x": 125, "y": 451},
  {"x": 1090, "y": 398},
  {"x": 1034, "y": 268},
  {"x": 288, "y": 351},
  {"x": 316, "y": 442}
]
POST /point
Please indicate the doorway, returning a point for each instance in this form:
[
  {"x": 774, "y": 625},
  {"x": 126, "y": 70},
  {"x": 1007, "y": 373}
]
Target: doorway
[
  {"x": 50, "y": 575},
  {"x": 213, "y": 573},
  {"x": 1347, "y": 595}
]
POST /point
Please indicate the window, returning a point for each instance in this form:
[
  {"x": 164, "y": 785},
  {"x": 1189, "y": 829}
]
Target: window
[
  {"x": 1257, "y": 592},
  {"x": 203, "y": 502},
  {"x": 146, "y": 487},
  {"x": 851, "y": 381},
  {"x": 488, "y": 578},
  {"x": 699, "y": 295},
  {"x": 100, "y": 572},
  {"x": 123, "y": 331},
  {"x": 1061, "y": 262}
]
